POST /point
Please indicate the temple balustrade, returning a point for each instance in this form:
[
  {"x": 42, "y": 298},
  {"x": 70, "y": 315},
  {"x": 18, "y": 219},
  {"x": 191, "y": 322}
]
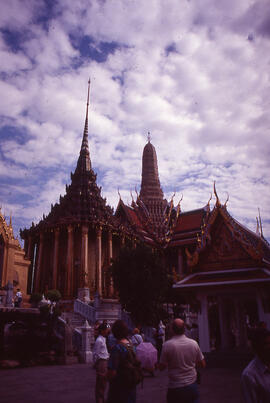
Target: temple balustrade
[{"x": 85, "y": 310}]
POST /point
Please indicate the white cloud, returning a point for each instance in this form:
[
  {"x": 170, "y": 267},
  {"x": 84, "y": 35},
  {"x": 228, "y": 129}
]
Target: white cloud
[{"x": 187, "y": 73}]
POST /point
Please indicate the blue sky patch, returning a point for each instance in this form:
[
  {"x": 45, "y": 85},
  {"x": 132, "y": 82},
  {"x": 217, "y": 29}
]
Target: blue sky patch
[{"x": 89, "y": 48}]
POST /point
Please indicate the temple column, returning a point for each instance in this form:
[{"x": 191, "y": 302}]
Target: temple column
[
  {"x": 98, "y": 252},
  {"x": 55, "y": 257},
  {"x": 69, "y": 265},
  {"x": 180, "y": 268},
  {"x": 241, "y": 336},
  {"x": 29, "y": 247},
  {"x": 223, "y": 324},
  {"x": 4, "y": 266},
  {"x": 83, "y": 291},
  {"x": 39, "y": 260},
  {"x": 263, "y": 315},
  {"x": 110, "y": 255},
  {"x": 25, "y": 245},
  {"x": 84, "y": 256},
  {"x": 203, "y": 324}
]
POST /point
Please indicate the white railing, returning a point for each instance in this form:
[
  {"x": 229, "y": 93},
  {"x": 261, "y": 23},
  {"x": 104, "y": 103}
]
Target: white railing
[{"x": 85, "y": 310}]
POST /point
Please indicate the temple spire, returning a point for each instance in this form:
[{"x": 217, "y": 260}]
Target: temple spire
[
  {"x": 84, "y": 163},
  {"x": 150, "y": 185}
]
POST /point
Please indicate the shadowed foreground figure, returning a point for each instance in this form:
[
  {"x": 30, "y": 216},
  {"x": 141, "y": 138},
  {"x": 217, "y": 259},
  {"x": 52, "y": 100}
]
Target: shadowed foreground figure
[
  {"x": 101, "y": 356},
  {"x": 182, "y": 356},
  {"x": 120, "y": 391},
  {"x": 255, "y": 380}
]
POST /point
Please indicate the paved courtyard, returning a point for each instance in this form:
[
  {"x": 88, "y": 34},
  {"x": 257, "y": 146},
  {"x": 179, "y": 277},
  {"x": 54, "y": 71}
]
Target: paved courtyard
[{"x": 75, "y": 383}]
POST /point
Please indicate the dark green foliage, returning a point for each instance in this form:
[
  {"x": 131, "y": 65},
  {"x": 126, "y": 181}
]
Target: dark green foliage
[
  {"x": 53, "y": 295},
  {"x": 142, "y": 280},
  {"x": 36, "y": 297}
]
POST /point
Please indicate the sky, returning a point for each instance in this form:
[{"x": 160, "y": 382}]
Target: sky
[{"x": 194, "y": 73}]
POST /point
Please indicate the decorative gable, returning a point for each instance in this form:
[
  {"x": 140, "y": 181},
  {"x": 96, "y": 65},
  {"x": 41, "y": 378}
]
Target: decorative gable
[{"x": 224, "y": 251}]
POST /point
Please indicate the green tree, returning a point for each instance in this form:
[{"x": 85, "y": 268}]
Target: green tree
[
  {"x": 142, "y": 281},
  {"x": 53, "y": 295}
]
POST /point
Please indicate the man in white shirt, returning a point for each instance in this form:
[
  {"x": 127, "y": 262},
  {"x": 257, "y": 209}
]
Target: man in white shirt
[
  {"x": 255, "y": 379},
  {"x": 100, "y": 357},
  {"x": 182, "y": 356},
  {"x": 18, "y": 298}
]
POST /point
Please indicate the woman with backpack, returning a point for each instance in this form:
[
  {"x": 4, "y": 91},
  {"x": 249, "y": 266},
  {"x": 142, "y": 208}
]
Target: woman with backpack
[{"x": 124, "y": 370}]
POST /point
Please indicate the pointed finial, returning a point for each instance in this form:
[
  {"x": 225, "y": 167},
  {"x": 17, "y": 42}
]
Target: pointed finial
[
  {"x": 257, "y": 227},
  {"x": 225, "y": 204},
  {"x": 136, "y": 193},
  {"x": 260, "y": 222},
  {"x": 149, "y": 137},
  {"x": 88, "y": 94},
  {"x": 84, "y": 162},
  {"x": 119, "y": 194},
  {"x": 179, "y": 206},
  {"x": 10, "y": 219},
  {"x": 215, "y": 192},
  {"x": 208, "y": 203}
]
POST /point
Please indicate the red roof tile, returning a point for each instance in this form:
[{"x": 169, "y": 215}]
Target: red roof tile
[{"x": 189, "y": 221}]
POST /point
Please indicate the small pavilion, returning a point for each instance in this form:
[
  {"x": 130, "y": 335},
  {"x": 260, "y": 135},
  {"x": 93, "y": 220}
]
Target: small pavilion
[{"x": 227, "y": 271}]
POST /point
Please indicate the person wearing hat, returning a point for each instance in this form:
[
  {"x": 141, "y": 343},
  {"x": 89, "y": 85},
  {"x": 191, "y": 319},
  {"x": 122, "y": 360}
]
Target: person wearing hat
[{"x": 100, "y": 358}]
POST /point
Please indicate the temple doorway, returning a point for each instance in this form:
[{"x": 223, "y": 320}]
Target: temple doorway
[{"x": 229, "y": 319}]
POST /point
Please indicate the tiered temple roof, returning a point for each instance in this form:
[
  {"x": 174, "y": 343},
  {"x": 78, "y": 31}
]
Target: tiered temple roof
[
  {"x": 83, "y": 201},
  {"x": 151, "y": 217}
]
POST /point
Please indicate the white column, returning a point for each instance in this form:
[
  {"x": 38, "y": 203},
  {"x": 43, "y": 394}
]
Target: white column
[
  {"x": 203, "y": 324},
  {"x": 86, "y": 353}
]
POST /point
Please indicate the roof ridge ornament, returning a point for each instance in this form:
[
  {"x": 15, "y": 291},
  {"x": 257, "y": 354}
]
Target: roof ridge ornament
[
  {"x": 215, "y": 192},
  {"x": 225, "y": 204},
  {"x": 208, "y": 203},
  {"x": 260, "y": 223},
  {"x": 149, "y": 137},
  {"x": 119, "y": 194},
  {"x": 257, "y": 227},
  {"x": 178, "y": 209}
]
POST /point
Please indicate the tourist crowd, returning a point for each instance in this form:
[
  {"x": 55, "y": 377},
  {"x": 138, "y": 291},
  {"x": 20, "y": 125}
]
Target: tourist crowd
[{"x": 122, "y": 360}]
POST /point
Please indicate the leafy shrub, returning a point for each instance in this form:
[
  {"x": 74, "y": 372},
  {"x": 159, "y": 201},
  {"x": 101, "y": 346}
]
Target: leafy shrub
[{"x": 54, "y": 295}]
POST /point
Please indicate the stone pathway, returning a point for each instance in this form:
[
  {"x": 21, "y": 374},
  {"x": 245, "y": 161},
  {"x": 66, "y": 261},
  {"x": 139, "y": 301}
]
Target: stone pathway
[{"x": 75, "y": 383}]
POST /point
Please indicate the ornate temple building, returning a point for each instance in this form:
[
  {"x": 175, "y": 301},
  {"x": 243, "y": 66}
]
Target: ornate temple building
[
  {"x": 218, "y": 264},
  {"x": 221, "y": 266},
  {"x": 71, "y": 248},
  {"x": 13, "y": 263}
]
